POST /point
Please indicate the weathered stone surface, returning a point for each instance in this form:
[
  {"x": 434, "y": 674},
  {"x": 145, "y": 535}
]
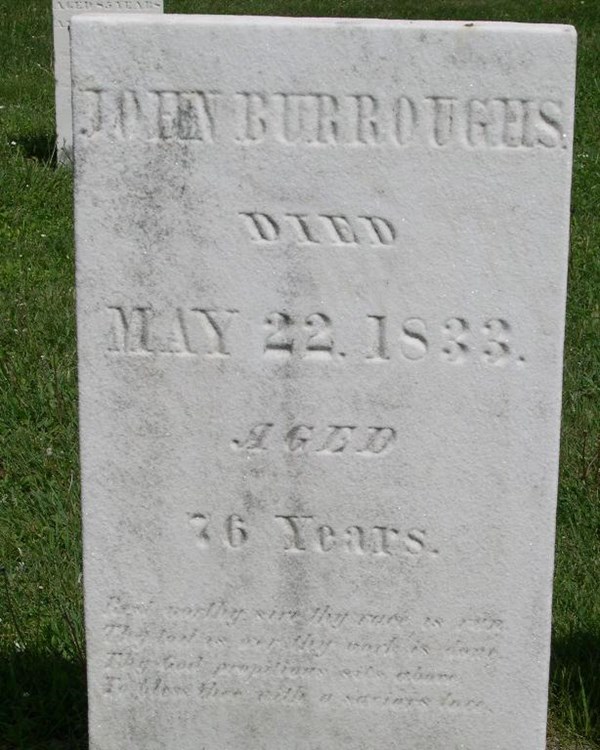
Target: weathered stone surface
[
  {"x": 321, "y": 288},
  {"x": 62, "y": 11}
]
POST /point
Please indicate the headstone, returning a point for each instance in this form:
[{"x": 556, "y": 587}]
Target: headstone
[
  {"x": 62, "y": 11},
  {"x": 321, "y": 295}
]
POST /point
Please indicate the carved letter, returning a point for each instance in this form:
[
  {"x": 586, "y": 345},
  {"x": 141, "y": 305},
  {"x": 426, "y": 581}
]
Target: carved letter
[
  {"x": 415, "y": 542},
  {"x": 367, "y": 126},
  {"x": 379, "y": 438},
  {"x": 382, "y": 536},
  {"x": 485, "y": 122},
  {"x": 413, "y": 341},
  {"x": 443, "y": 119},
  {"x": 381, "y": 231},
  {"x": 262, "y": 228},
  {"x": 327, "y": 122},
  {"x": 326, "y": 538},
  {"x": 341, "y": 229},
  {"x": 513, "y": 123},
  {"x": 355, "y": 539},
  {"x": 406, "y": 120},
  {"x": 551, "y": 131},
  {"x": 299, "y": 118},
  {"x": 216, "y": 323},
  {"x": 256, "y": 438},
  {"x": 298, "y": 437},
  {"x": 130, "y": 333},
  {"x": 187, "y": 115},
  {"x": 380, "y": 350},
  {"x": 136, "y": 114},
  {"x": 199, "y": 522},
  {"x": 294, "y": 538},
  {"x": 93, "y": 111},
  {"x": 179, "y": 341},
  {"x": 253, "y": 123},
  {"x": 235, "y": 531},
  {"x": 338, "y": 438},
  {"x": 302, "y": 228}
]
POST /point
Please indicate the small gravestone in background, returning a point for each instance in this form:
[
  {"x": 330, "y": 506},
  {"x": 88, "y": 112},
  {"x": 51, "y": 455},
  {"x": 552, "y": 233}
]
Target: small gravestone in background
[
  {"x": 62, "y": 11},
  {"x": 321, "y": 289}
]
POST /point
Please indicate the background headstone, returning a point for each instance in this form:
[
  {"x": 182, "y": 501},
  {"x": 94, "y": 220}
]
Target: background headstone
[
  {"x": 321, "y": 288},
  {"x": 62, "y": 11}
]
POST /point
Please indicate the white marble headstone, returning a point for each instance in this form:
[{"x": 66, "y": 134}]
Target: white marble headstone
[
  {"x": 62, "y": 11},
  {"x": 321, "y": 290}
]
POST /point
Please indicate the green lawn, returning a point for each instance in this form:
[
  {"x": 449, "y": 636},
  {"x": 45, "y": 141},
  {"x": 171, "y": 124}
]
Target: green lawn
[{"x": 42, "y": 680}]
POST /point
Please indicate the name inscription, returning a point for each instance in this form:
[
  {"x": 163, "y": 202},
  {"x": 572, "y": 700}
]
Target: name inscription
[{"x": 319, "y": 119}]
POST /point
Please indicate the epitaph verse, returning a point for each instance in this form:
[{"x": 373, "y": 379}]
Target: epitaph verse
[{"x": 321, "y": 273}]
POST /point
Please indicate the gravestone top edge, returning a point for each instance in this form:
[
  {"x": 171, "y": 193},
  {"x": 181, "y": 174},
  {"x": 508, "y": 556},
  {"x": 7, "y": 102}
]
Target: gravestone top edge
[{"x": 206, "y": 19}]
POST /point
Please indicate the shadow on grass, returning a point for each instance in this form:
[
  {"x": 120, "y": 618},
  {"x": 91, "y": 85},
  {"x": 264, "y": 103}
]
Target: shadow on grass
[
  {"x": 41, "y": 147},
  {"x": 575, "y": 683},
  {"x": 43, "y": 703}
]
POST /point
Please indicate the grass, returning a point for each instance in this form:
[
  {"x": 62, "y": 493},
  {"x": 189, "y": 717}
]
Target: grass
[{"x": 42, "y": 681}]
